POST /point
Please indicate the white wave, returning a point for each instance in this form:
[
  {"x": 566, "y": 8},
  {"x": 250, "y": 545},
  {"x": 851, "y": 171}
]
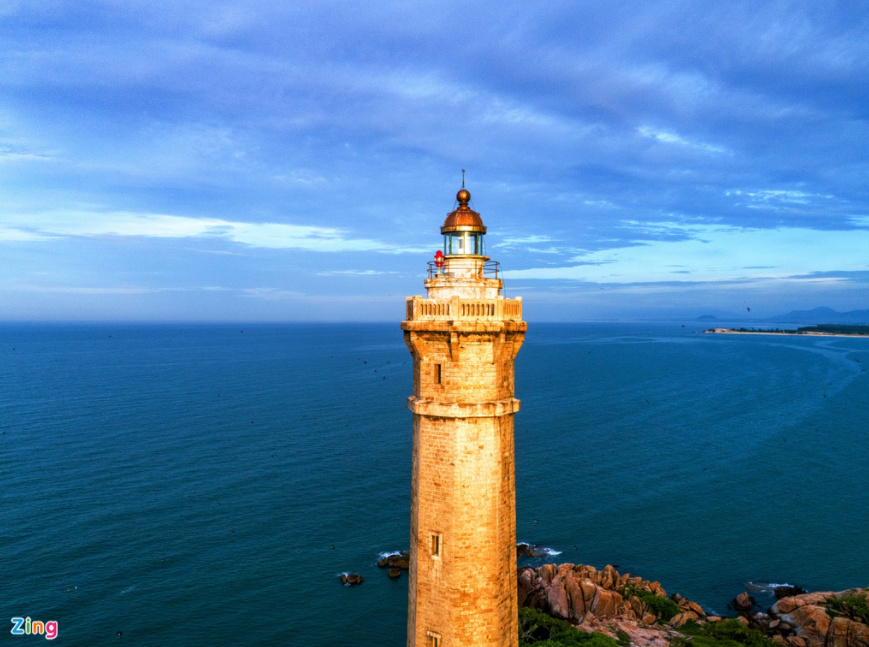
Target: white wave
[
  {"x": 764, "y": 587},
  {"x": 549, "y": 552}
]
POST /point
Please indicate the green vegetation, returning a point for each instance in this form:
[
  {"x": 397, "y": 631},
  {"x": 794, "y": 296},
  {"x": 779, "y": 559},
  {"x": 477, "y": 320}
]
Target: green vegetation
[
  {"x": 622, "y": 638},
  {"x": 663, "y": 608},
  {"x": 855, "y": 607},
  {"x": 830, "y": 329},
  {"x": 727, "y": 633},
  {"x": 542, "y": 630},
  {"x": 837, "y": 329}
]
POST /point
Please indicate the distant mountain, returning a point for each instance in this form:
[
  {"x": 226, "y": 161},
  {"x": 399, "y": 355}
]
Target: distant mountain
[
  {"x": 815, "y": 316},
  {"x": 822, "y": 315}
]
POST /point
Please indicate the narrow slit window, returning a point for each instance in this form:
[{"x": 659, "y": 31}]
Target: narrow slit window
[
  {"x": 434, "y": 640},
  {"x": 437, "y": 373},
  {"x": 435, "y": 545}
]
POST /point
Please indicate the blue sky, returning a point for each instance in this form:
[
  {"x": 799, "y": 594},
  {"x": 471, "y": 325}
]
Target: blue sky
[{"x": 280, "y": 161}]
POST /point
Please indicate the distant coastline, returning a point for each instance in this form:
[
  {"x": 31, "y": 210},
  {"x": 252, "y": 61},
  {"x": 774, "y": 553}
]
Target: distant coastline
[{"x": 821, "y": 330}]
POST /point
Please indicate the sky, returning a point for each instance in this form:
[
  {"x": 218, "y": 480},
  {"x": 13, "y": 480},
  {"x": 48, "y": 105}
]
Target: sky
[{"x": 292, "y": 161}]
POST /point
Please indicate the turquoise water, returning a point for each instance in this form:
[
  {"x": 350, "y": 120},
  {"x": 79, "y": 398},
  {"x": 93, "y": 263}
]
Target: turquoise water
[{"x": 204, "y": 485}]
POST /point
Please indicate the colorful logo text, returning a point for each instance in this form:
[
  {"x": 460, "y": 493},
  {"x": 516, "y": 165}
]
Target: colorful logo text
[{"x": 28, "y": 627}]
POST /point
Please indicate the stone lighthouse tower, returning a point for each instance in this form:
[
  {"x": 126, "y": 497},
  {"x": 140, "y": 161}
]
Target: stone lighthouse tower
[{"x": 463, "y": 337}]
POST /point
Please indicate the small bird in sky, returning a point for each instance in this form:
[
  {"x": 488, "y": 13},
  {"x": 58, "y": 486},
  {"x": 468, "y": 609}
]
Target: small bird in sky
[{"x": 747, "y": 308}]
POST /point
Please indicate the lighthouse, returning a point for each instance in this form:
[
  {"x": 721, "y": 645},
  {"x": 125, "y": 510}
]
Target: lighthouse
[{"x": 464, "y": 336}]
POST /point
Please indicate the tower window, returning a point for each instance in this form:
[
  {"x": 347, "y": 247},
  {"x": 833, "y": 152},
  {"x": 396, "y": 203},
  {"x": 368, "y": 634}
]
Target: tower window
[
  {"x": 434, "y": 640},
  {"x": 435, "y": 545},
  {"x": 437, "y": 373}
]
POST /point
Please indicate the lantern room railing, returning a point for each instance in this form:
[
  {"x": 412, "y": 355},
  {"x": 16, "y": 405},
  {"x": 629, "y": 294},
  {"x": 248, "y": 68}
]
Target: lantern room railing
[
  {"x": 490, "y": 270},
  {"x": 419, "y": 309}
]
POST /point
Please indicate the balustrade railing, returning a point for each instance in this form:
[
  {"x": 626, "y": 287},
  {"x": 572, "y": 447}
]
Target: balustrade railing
[
  {"x": 419, "y": 309},
  {"x": 489, "y": 270}
]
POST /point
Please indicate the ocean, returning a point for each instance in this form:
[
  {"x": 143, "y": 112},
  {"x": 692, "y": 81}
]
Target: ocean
[{"x": 207, "y": 484}]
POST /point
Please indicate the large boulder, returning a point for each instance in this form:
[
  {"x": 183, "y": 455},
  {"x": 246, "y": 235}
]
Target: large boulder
[
  {"x": 787, "y": 591},
  {"x": 527, "y": 550},
  {"x": 395, "y": 560},
  {"x": 351, "y": 579},
  {"x": 581, "y": 593},
  {"x": 817, "y": 620},
  {"x": 743, "y": 603},
  {"x": 604, "y": 600}
]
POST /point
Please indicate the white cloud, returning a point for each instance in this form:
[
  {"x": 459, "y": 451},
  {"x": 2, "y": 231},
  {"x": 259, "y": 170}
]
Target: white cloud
[
  {"x": 718, "y": 254},
  {"x": 353, "y": 273},
  {"x": 19, "y": 235},
  {"x": 509, "y": 241},
  {"x": 19, "y": 149},
  {"x": 498, "y": 110},
  {"x": 253, "y": 234},
  {"x": 273, "y": 294},
  {"x": 8, "y": 156},
  {"x": 280, "y": 294},
  {"x": 771, "y": 197},
  {"x": 672, "y": 138},
  {"x": 89, "y": 290}
]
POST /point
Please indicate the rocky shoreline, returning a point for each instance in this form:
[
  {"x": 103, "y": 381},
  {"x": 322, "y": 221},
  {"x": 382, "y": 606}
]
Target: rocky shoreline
[{"x": 640, "y": 611}]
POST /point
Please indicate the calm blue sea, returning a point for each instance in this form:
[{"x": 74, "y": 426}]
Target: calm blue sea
[{"x": 206, "y": 485}]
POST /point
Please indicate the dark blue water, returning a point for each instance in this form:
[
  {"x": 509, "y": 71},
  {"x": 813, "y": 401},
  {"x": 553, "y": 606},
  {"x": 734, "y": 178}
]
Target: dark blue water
[{"x": 200, "y": 485}]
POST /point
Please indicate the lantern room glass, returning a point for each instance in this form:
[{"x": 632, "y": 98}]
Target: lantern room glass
[{"x": 463, "y": 243}]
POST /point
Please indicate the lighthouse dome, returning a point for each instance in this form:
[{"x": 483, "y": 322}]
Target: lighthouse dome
[{"x": 464, "y": 218}]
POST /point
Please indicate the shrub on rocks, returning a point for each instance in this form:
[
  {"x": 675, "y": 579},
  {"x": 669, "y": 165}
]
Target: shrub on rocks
[{"x": 541, "y": 630}]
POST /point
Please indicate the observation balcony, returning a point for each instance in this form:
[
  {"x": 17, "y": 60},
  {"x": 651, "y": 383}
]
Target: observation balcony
[
  {"x": 457, "y": 309},
  {"x": 485, "y": 270}
]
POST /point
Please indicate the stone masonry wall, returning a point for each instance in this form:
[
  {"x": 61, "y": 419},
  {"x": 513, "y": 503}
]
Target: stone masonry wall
[{"x": 463, "y": 483}]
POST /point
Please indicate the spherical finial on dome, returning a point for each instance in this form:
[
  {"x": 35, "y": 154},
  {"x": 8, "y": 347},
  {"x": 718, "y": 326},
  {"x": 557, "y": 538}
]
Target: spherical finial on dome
[{"x": 464, "y": 197}]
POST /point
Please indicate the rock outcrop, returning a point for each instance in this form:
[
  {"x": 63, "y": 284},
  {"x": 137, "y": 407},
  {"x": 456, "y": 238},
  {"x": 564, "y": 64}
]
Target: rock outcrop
[
  {"x": 351, "y": 579},
  {"x": 576, "y": 592},
  {"x": 527, "y": 550},
  {"x": 787, "y": 590},
  {"x": 395, "y": 560},
  {"x": 614, "y": 604},
  {"x": 608, "y": 602},
  {"x": 817, "y": 619}
]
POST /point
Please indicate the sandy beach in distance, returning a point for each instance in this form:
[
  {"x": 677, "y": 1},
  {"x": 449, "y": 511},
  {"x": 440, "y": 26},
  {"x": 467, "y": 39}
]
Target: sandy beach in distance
[{"x": 728, "y": 331}]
